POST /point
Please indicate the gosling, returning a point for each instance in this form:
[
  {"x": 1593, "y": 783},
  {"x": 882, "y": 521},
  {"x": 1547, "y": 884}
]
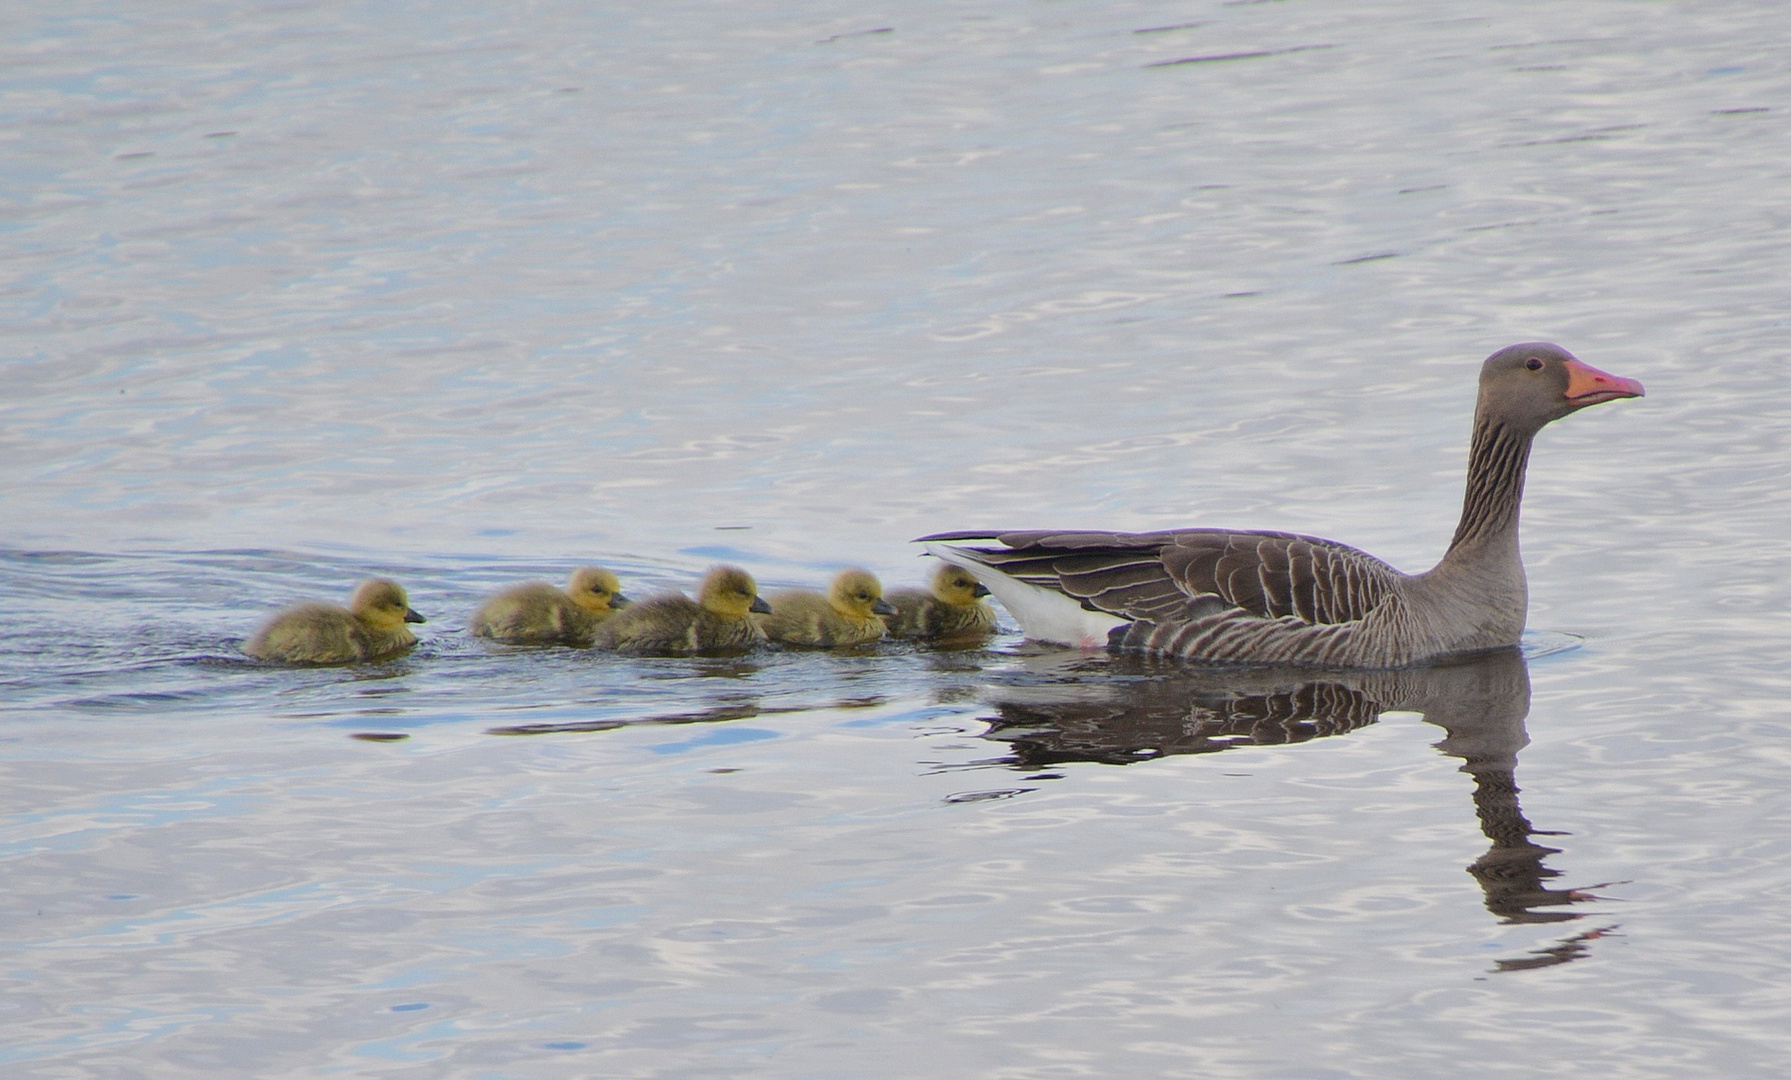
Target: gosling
[
  {"x": 539, "y": 614},
  {"x": 954, "y": 609},
  {"x": 371, "y": 627},
  {"x": 719, "y": 620},
  {"x": 846, "y": 615}
]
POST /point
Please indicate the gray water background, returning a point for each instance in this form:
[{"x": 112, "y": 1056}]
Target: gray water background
[{"x": 469, "y": 294}]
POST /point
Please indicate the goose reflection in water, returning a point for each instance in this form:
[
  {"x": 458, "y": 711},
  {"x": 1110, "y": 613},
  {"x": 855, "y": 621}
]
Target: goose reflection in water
[{"x": 1122, "y": 710}]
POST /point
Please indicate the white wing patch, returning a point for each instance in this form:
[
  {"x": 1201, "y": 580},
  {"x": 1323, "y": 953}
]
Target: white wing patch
[{"x": 1043, "y": 614}]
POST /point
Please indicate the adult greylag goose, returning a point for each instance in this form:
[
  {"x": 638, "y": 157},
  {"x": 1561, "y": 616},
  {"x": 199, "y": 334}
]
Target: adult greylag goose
[
  {"x": 1225, "y": 596},
  {"x": 536, "y": 613},
  {"x": 371, "y": 627}
]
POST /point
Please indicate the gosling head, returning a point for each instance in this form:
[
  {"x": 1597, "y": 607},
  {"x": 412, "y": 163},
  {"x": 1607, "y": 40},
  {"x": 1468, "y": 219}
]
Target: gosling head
[
  {"x": 857, "y": 594},
  {"x": 957, "y": 586},
  {"x": 381, "y": 603},
  {"x": 596, "y": 589},
  {"x": 731, "y": 592}
]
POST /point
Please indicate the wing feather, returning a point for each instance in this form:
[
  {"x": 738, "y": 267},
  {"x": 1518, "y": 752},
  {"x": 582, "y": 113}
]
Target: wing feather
[{"x": 1177, "y": 576}]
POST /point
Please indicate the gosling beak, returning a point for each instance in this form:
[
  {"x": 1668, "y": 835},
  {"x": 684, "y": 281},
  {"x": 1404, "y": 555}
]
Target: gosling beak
[
  {"x": 1586, "y": 385},
  {"x": 883, "y": 607},
  {"x": 979, "y": 589},
  {"x": 410, "y": 615},
  {"x": 759, "y": 605},
  {"x": 618, "y": 602}
]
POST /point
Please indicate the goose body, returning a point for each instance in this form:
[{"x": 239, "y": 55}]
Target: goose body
[
  {"x": 849, "y": 613},
  {"x": 719, "y": 620},
  {"x": 1227, "y": 596},
  {"x": 536, "y": 613},
  {"x": 372, "y": 627},
  {"x": 951, "y": 608}
]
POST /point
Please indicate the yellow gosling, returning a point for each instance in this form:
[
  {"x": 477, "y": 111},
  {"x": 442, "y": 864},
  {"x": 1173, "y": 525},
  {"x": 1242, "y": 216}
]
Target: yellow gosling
[
  {"x": 536, "y": 613},
  {"x": 954, "y": 608},
  {"x": 719, "y": 620},
  {"x": 846, "y": 615},
  {"x": 371, "y": 627}
]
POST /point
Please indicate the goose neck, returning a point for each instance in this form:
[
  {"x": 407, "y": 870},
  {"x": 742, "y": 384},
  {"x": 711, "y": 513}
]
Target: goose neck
[{"x": 1495, "y": 489}]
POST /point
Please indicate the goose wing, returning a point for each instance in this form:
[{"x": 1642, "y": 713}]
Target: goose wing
[{"x": 1184, "y": 574}]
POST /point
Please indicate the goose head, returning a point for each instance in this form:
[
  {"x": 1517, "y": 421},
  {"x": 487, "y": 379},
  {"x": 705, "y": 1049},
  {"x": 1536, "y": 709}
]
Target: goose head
[
  {"x": 381, "y": 604},
  {"x": 596, "y": 590},
  {"x": 857, "y": 594},
  {"x": 1526, "y": 386},
  {"x": 731, "y": 592},
  {"x": 957, "y": 586}
]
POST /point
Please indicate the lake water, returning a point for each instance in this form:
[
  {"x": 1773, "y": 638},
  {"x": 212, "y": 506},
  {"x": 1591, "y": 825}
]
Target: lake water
[{"x": 470, "y": 294}]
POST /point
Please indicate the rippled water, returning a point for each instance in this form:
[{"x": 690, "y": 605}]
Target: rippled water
[{"x": 470, "y": 294}]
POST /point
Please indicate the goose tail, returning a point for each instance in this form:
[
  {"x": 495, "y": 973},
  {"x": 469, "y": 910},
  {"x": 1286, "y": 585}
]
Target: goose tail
[{"x": 1044, "y": 614}]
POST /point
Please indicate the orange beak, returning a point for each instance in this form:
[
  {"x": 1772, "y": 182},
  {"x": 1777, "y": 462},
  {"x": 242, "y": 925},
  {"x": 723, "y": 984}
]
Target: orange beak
[{"x": 1586, "y": 385}]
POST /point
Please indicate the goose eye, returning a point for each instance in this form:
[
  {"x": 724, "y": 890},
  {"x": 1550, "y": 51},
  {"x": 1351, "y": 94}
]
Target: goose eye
[{"x": 1533, "y": 364}]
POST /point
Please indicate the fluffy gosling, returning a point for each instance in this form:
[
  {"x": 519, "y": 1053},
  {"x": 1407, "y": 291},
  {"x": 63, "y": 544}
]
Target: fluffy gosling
[
  {"x": 539, "y": 614},
  {"x": 371, "y": 627},
  {"x": 719, "y": 620},
  {"x": 954, "y": 608},
  {"x": 846, "y": 615}
]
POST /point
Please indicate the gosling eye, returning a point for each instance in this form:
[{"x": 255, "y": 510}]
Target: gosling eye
[{"x": 1533, "y": 363}]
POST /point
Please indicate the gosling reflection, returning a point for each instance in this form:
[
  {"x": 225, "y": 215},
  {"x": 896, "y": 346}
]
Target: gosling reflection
[
  {"x": 1124, "y": 709},
  {"x": 741, "y": 710}
]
